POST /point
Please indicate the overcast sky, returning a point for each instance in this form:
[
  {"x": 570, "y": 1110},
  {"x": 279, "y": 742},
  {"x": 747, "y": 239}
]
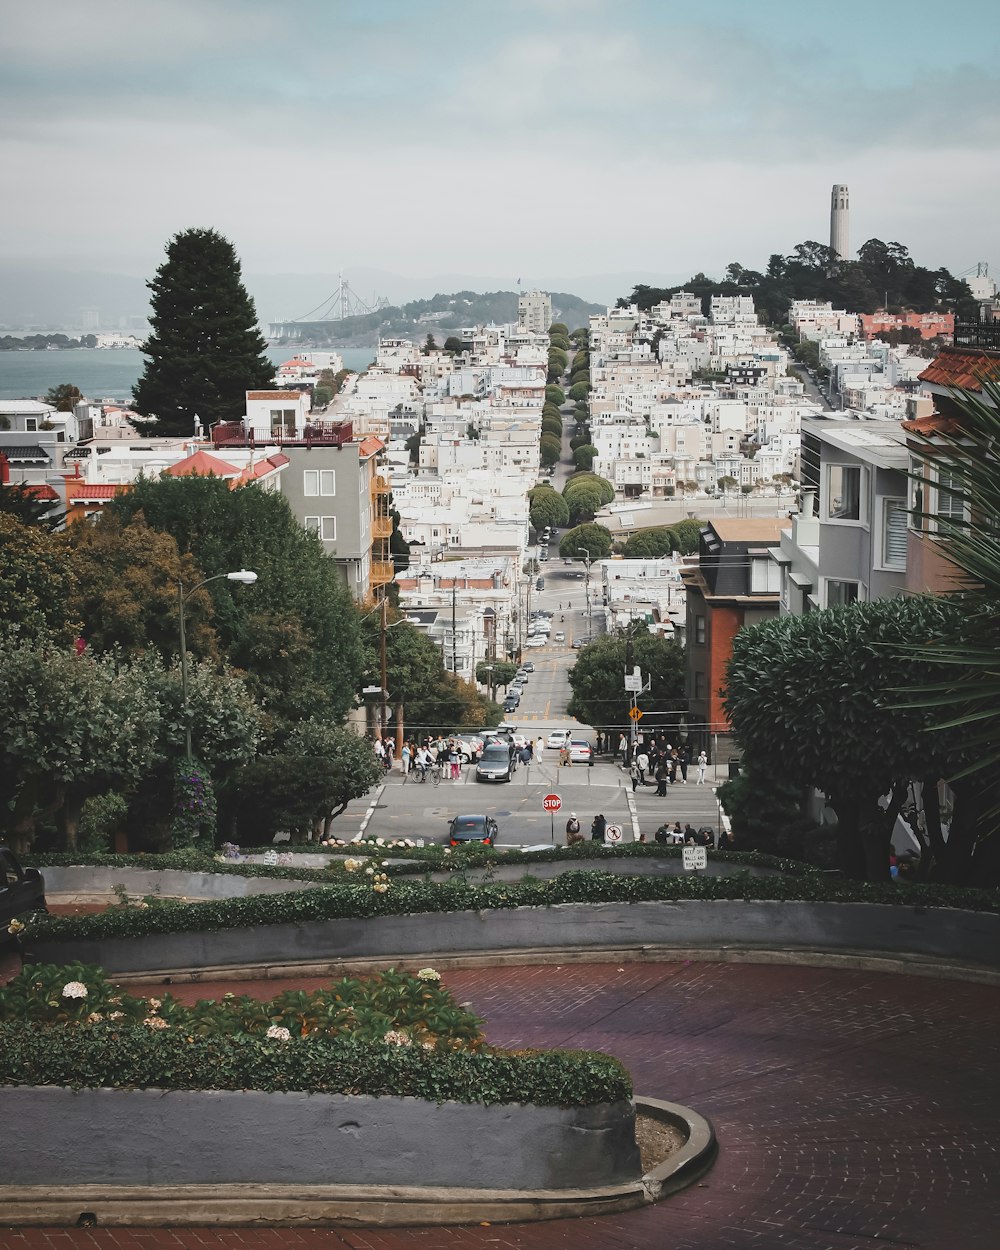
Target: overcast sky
[{"x": 520, "y": 137}]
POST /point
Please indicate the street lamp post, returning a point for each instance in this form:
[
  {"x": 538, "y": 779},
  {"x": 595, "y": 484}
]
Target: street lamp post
[{"x": 247, "y": 578}]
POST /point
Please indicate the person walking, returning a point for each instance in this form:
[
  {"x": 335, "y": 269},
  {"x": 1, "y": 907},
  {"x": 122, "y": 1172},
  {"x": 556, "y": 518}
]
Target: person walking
[
  {"x": 702, "y": 763},
  {"x": 633, "y": 772},
  {"x": 642, "y": 763},
  {"x": 573, "y": 834},
  {"x": 597, "y": 829},
  {"x": 661, "y": 775},
  {"x": 683, "y": 758},
  {"x": 539, "y": 748},
  {"x": 404, "y": 758},
  {"x": 455, "y": 760}
]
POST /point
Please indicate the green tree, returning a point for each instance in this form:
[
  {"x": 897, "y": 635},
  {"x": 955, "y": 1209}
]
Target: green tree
[
  {"x": 21, "y": 501},
  {"x": 204, "y": 351},
  {"x": 126, "y": 579},
  {"x": 597, "y": 677},
  {"x": 551, "y": 426},
  {"x": 820, "y": 693},
  {"x": 549, "y": 450},
  {"x": 496, "y": 673},
  {"x": 552, "y": 410},
  {"x": 64, "y": 397},
  {"x": 594, "y": 540},
  {"x": 558, "y": 329},
  {"x": 453, "y": 345},
  {"x": 727, "y": 483},
  {"x": 560, "y": 341},
  {"x": 306, "y": 784},
  {"x": 687, "y": 535},
  {"x": 583, "y": 457},
  {"x": 294, "y": 633},
  {"x": 70, "y": 725},
  {"x": 554, "y": 394},
  {"x": 649, "y": 544},
  {"x": 579, "y": 391},
  {"x": 430, "y": 345},
  {"x": 600, "y": 484},
  {"x": 37, "y": 584},
  {"x": 583, "y": 502},
  {"x": 548, "y": 507}
]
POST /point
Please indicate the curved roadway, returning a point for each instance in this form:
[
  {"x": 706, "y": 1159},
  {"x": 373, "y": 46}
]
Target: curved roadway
[{"x": 855, "y": 1110}]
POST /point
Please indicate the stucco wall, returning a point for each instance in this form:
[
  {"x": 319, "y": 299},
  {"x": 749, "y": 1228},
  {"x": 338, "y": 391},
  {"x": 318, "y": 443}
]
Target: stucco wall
[
  {"x": 943, "y": 933},
  {"x": 155, "y": 1137}
]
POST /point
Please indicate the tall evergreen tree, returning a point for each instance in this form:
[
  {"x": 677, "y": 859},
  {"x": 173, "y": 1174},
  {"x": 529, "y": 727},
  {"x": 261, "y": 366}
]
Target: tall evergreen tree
[{"x": 204, "y": 351}]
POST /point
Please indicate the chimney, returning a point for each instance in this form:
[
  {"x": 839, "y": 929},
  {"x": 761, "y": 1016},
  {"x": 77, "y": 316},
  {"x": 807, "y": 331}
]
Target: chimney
[{"x": 807, "y": 508}]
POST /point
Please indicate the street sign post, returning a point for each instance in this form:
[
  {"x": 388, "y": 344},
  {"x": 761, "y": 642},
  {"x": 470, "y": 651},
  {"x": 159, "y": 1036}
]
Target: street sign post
[
  {"x": 694, "y": 857},
  {"x": 551, "y": 804},
  {"x": 612, "y": 834},
  {"x": 635, "y": 713}
]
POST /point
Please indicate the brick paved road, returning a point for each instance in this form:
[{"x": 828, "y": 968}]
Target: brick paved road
[{"x": 856, "y": 1111}]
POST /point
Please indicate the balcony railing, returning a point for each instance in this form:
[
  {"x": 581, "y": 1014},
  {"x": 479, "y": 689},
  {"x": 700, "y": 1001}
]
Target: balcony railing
[
  {"x": 314, "y": 434},
  {"x": 985, "y": 334},
  {"x": 380, "y": 485},
  {"x": 382, "y": 572},
  {"x": 382, "y": 527}
]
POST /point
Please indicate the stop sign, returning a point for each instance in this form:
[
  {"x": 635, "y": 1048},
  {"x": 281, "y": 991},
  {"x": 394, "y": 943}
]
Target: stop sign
[{"x": 552, "y": 802}]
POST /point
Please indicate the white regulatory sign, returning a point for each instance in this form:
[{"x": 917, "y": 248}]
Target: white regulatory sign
[
  {"x": 270, "y": 857},
  {"x": 694, "y": 857},
  {"x": 613, "y": 833}
]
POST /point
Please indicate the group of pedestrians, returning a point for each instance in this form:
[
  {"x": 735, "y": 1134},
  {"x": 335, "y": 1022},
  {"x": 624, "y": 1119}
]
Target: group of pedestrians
[
  {"x": 674, "y": 835},
  {"x": 418, "y": 759},
  {"x": 574, "y": 833},
  {"x": 661, "y": 764}
]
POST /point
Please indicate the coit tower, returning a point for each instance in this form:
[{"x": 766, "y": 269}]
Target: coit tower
[{"x": 840, "y": 235}]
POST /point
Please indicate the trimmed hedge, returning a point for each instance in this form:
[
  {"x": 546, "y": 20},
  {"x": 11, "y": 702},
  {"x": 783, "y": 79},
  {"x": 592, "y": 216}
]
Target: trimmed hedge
[
  {"x": 104, "y": 1055},
  {"x": 425, "y": 859},
  {"x": 408, "y": 898}
]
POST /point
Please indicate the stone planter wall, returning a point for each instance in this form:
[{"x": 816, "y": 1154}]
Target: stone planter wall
[
  {"x": 157, "y": 1137},
  {"x": 940, "y": 933},
  {"x": 94, "y": 882}
]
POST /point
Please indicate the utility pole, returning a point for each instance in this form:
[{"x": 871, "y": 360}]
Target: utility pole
[
  {"x": 385, "y": 680},
  {"x": 454, "y": 633}
]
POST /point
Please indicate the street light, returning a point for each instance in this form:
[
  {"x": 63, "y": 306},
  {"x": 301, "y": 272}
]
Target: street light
[{"x": 244, "y": 576}]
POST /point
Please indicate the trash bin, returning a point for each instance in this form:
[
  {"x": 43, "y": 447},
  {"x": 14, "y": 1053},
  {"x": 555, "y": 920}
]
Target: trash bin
[{"x": 734, "y": 769}]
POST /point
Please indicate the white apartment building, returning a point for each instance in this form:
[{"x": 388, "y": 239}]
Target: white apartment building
[{"x": 534, "y": 311}]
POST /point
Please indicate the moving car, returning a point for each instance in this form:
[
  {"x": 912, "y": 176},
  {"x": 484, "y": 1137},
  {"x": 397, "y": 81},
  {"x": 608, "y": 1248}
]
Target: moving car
[
  {"x": 536, "y": 640},
  {"x": 22, "y": 891},
  {"x": 578, "y": 643},
  {"x": 462, "y": 829},
  {"x": 581, "y": 752},
  {"x": 528, "y": 666},
  {"x": 494, "y": 763},
  {"x": 559, "y": 636},
  {"x": 557, "y": 739}
]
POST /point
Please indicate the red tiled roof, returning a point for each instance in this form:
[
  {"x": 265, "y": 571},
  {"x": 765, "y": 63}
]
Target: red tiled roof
[
  {"x": 262, "y": 468},
  {"x": 369, "y": 446},
  {"x": 202, "y": 463},
  {"x": 42, "y": 491},
  {"x": 933, "y": 423},
  {"x": 964, "y": 369},
  {"x": 78, "y": 491}
]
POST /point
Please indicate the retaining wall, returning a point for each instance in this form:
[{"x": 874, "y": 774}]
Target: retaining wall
[
  {"x": 94, "y": 882},
  {"x": 940, "y": 933},
  {"x": 157, "y": 1137}
]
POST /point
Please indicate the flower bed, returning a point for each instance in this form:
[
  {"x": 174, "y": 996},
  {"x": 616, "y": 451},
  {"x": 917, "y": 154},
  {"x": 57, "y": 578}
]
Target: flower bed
[{"x": 160, "y": 1085}]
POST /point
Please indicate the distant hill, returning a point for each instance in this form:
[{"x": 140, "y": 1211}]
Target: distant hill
[{"x": 440, "y": 315}]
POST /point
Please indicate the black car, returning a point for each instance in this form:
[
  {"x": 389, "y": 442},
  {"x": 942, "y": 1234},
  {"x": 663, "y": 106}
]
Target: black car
[
  {"x": 494, "y": 763},
  {"x": 22, "y": 891},
  {"x": 462, "y": 829}
]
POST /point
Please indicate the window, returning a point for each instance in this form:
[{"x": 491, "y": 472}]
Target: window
[
  {"x": 950, "y": 501},
  {"x": 699, "y": 629},
  {"x": 31, "y": 425},
  {"x": 918, "y": 473},
  {"x": 894, "y": 525},
  {"x": 843, "y": 492},
  {"x": 699, "y": 685},
  {"x": 765, "y": 576},
  {"x": 319, "y": 482},
  {"x": 324, "y": 527},
  {"x": 840, "y": 594}
]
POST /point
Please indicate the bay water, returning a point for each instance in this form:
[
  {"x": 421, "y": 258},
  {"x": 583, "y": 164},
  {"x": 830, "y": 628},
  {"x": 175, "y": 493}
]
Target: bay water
[{"x": 107, "y": 373}]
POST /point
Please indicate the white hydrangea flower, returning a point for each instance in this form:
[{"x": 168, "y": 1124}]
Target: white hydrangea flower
[
  {"x": 396, "y": 1038},
  {"x": 74, "y": 989},
  {"x": 428, "y": 974},
  {"x": 278, "y": 1033},
  {"x": 155, "y": 1022}
]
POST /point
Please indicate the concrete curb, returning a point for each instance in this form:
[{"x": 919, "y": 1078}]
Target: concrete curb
[{"x": 378, "y": 1206}]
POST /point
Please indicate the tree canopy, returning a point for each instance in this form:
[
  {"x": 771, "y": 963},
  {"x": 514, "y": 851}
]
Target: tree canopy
[
  {"x": 651, "y": 543},
  {"x": 37, "y": 584},
  {"x": 597, "y": 677},
  {"x": 548, "y": 507},
  {"x": 549, "y": 449},
  {"x": 822, "y": 694},
  {"x": 554, "y": 394},
  {"x": 204, "y": 351},
  {"x": 64, "y": 397},
  {"x": 593, "y": 540},
  {"x": 584, "y": 455}
]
